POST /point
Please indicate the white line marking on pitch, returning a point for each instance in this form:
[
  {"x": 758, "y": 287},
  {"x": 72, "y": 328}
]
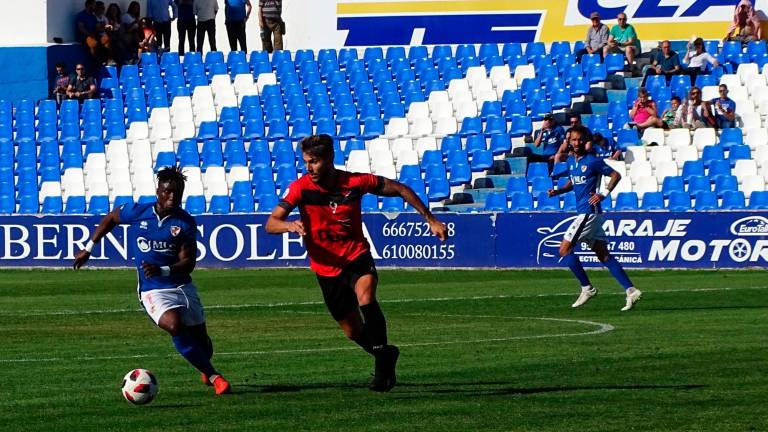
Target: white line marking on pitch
[
  {"x": 601, "y": 328},
  {"x": 411, "y": 300}
]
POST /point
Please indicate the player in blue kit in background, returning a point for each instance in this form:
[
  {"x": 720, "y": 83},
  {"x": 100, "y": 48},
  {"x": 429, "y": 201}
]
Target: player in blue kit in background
[
  {"x": 586, "y": 171},
  {"x": 164, "y": 237}
]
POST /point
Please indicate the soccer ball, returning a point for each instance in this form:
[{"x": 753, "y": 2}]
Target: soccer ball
[{"x": 139, "y": 387}]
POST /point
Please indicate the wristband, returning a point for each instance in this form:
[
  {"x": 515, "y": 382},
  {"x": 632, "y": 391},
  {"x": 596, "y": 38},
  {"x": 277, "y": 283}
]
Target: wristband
[
  {"x": 165, "y": 271},
  {"x": 89, "y": 246}
]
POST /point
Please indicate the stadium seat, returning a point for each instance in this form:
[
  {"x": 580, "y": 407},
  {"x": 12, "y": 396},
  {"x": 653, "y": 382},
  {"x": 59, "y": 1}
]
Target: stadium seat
[
  {"x": 758, "y": 200},
  {"x": 653, "y": 201},
  {"x": 706, "y": 201},
  {"x": 733, "y": 200},
  {"x": 626, "y": 201},
  {"x": 679, "y": 201},
  {"x": 521, "y": 201},
  {"x": 544, "y": 202}
]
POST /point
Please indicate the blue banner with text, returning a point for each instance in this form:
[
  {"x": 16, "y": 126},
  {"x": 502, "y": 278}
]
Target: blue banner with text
[{"x": 510, "y": 240}]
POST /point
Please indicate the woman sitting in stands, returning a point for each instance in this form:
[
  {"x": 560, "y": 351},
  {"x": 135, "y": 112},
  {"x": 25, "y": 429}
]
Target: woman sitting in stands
[
  {"x": 746, "y": 24},
  {"x": 644, "y": 113}
]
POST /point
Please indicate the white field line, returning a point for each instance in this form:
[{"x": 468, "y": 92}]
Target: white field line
[
  {"x": 601, "y": 328},
  {"x": 410, "y": 300}
]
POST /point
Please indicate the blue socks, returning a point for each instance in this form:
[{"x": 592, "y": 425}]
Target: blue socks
[
  {"x": 196, "y": 355},
  {"x": 573, "y": 263},
  {"x": 618, "y": 272}
]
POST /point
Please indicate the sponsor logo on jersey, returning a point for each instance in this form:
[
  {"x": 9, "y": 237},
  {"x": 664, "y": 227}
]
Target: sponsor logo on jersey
[{"x": 146, "y": 245}]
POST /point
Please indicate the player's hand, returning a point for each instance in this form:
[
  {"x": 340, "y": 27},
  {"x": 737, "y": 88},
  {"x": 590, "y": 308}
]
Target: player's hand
[
  {"x": 150, "y": 270},
  {"x": 596, "y": 198},
  {"x": 551, "y": 193},
  {"x": 80, "y": 259},
  {"x": 296, "y": 227},
  {"x": 438, "y": 229}
]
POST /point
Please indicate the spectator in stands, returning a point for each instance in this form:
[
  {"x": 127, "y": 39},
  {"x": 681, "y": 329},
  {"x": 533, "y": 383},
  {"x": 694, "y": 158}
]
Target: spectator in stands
[
  {"x": 623, "y": 39},
  {"x": 698, "y": 59},
  {"x": 186, "y": 24},
  {"x": 148, "y": 42},
  {"x": 103, "y": 33},
  {"x": 597, "y": 38},
  {"x": 548, "y": 139},
  {"x": 87, "y": 32},
  {"x": 206, "y": 11},
  {"x": 725, "y": 109},
  {"x": 669, "y": 117},
  {"x": 605, "y": 148},
  {"x": 236, "y": 13},
  {"x": 116, "y": 31},
  {"x": 695, "y": 113},
  {"x": 81, "y": 86},
  {"x": 162, "y": 13},
  {"x": 644, "y": 112},
  {"x": 271, "y": 24},
  {"x": 746, "y": 24},
  {"x": 59, "y": 91},
  {"x": 131, "y": 20},
  {"x": 666, "y": 62}
]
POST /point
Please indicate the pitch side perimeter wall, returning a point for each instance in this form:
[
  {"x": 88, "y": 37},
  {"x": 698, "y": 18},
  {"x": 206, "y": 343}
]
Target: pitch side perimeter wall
[
  {"x": 514, "y": 240},
  {"x": 29, "y": 28}
]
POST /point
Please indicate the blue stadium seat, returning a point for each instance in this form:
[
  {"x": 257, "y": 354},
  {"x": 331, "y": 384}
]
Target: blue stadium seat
[
  {"x": 758, "y": 200},
  {"x": 195, "y": 205},
  {"x": 653, "y": 201},
  {"x": 724, "y": 183},
  {"x": 481, "y": 160},
  {"x": 219, "y": 204},
  {"x": 738, "y": 152},
  {"x": 698, "y": 183},
  {"x": 75, "y": 205},
  {"x": 627, "y": 137},
  {"x": 520, "y": 125},
  {"x": 52, "y": 205},
  {"x": 540, "y": 184},
  {"x": 718, "y": 168},
  {"x": 438, "y": 189},
  {"x": 614, "y": 63},
  {"x": 706, "y": 201},
  {"x": 369, "y": 203},
  {"x": 409, "y": 172},
  {"x": 521, "y": 201},
  {"x": 569, "y": 202},
  {"x": 516, "y": 184},
  {"x": 165, "y": 159},
  {"x": 392, "y": 205},
  {"x": 679, "y": 201},
  {"x": 537, "y": 169},
  {"x": 372, "y": 128},
  {"x": 500, "y": 143},
  {"x": 122, "y": 200},
  {"x": 692, "y": 168},
  {"x": 733, "y": 200},
  {"x": 730, "y": 137},
  {"x": 671, "y": 184},
  {"x": 544, "y": 202},
  {"x": 626, "y": 201},
  {"x": 496, "y": 202},
  {"x": 267, "y": 203}
]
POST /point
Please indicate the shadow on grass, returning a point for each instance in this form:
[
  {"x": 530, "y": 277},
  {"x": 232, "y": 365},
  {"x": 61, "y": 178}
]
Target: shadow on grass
[
  {"x": 706, "y": 308},
  {"x": 502, "y": 389},
  {"x": 413, "y": 390}
]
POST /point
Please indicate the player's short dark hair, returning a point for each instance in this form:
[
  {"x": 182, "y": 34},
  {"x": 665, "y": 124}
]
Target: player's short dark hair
[
  {"x": 677, "y": 98},
  {"x": 318, "y": 145},
  {"x": 581, "y": 130},
  {"x": 171, "y": 175}
]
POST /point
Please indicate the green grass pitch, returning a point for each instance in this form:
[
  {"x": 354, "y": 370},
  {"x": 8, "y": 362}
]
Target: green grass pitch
[{"x": 481, "y": 350}]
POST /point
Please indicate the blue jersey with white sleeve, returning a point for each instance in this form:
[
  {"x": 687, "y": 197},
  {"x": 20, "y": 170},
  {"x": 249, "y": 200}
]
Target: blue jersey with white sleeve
[
  {"x": 158, "y": 241},
  {"x": 586, "y": 174}
]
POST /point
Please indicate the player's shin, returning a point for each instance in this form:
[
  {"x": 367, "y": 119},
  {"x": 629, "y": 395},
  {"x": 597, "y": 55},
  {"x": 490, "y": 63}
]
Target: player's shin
[
  {"x": 193, "y": 352},
  {"x": 617, "y": 271},
  {"x": 573, "y": 263},
  {"x": 363, "y": 340},
  {"x": 375, "y": 326}
]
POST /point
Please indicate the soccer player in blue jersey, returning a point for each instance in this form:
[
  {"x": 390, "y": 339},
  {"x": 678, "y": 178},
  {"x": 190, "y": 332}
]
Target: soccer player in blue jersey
[
  {"x": 586, "y": 171},
  {"x": 164, "y": 237}
]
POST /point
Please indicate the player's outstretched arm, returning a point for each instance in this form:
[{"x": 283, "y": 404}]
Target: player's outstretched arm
[
  {"x": 395, "y": 188},
  {"x": 278, "y": 223},
  {"x": 107, "y": 224},
  {"x": 559, "y": 191}
]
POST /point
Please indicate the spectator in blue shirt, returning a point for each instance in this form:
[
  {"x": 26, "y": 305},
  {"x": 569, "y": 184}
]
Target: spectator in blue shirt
[
  {"x": 666, "y": 62},
  {"x": 605, "y": 147},
  {"x": 725, "y": 109},
  {"x": 547, "y": 140},
  {"x": 236, "y": 13}
]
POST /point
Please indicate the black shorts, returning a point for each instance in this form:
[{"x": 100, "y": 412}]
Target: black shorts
[{"x": 339, "y": 291}]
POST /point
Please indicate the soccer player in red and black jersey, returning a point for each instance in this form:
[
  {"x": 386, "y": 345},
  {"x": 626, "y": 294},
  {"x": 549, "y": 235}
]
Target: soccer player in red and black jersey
[{"x": 329, "y": 203}]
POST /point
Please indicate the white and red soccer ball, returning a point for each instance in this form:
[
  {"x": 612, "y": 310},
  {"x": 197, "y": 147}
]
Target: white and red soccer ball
[{"x": 139, "y": 387}]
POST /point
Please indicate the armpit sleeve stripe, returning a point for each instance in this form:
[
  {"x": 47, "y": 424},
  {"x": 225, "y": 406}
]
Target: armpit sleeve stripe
[{"x": 286, "y": 205}]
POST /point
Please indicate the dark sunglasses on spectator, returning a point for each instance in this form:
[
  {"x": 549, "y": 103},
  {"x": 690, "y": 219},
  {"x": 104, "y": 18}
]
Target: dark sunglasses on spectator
[
  {"x": 621, "y": 19},
  {"x": 78, "y": 68}
]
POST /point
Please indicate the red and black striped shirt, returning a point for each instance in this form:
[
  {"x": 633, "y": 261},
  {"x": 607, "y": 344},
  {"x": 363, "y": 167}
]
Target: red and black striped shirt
[{"x": 332, "y": 219}]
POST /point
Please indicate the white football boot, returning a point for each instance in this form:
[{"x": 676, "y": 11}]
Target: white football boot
[
  {"x": 586, "y": 293},
  {"x": 633, "y": 295}
]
